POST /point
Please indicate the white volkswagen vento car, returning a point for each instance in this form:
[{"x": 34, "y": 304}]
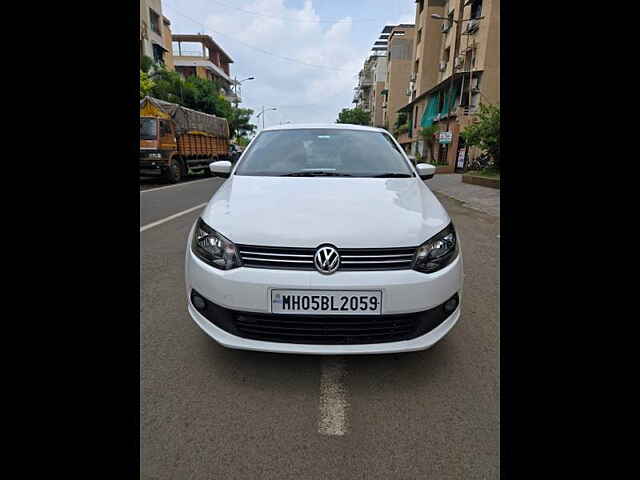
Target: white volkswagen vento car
[{"x": 324, "y": 239}]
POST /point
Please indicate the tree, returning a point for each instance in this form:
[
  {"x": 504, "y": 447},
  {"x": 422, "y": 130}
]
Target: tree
[
  {"x": 354, "y": 116},
  {"x": 239, "y": 122},
  {"x": 401, "y": 120},
  {"x": 427, "y": 134},
  {"x": 485, "y": 132},
  {"x": 146, "y": 85},
  {"x": 146, "y": 62},
  {"x": 242, "y": 141},
  {"x": 202, "y": 95}
]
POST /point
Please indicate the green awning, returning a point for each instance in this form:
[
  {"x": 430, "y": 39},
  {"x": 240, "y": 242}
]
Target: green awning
[
  {"x": 431, "y": 110},
  {"x": 433, "y": 102},
  {"x": 450, "y": 100}
]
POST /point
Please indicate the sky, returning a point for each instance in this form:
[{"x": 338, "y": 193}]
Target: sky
[{"x": 325, "y": 41}]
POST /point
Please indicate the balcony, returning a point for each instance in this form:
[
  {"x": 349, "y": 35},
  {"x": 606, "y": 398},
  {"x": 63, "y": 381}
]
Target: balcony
[
  {"x": 204, "y": 63},
  {"x": 366, "y": 81}
]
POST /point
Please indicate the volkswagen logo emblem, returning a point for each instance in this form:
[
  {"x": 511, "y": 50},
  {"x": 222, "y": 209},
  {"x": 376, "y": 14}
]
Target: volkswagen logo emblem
[{"x": 326, "y": 259}]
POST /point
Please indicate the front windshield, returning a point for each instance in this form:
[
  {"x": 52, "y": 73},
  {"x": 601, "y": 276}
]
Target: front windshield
[
  {"x": 148, "y": 128},
  {"x": 324, "y": 152}
]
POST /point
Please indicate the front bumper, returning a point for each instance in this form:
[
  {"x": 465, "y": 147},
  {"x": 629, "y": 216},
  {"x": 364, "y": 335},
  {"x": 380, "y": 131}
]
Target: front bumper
[
  {"x": 232, "y": 341},
  {"x": 249, "y": 290}
]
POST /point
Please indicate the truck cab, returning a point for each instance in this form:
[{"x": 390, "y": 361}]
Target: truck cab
[{"x": 157, "y": 145}]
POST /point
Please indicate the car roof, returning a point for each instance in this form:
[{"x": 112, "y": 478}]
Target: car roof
[{"x": 342, "y": 126}]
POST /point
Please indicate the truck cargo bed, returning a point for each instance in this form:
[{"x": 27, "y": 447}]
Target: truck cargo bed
[{"x": 190, "y": 144}]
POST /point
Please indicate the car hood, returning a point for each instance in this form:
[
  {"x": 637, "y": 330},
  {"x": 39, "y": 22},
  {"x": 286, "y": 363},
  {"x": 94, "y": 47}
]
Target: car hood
[{"x": 307, "y": 212}]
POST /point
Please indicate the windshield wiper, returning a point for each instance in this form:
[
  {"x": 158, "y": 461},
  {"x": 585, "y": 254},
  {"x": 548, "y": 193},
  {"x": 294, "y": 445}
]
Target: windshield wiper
[
  {"x": 315, "y": 173},
  {"x": 392, "y": 175}
]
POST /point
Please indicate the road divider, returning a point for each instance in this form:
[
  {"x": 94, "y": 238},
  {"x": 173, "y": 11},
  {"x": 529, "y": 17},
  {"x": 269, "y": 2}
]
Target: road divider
[
  {"x": 333, "y": 397},
  {"x": 168, "y": 219}
]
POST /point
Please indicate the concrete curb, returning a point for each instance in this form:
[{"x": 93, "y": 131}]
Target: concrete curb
[{"x": 482, "y": 181}]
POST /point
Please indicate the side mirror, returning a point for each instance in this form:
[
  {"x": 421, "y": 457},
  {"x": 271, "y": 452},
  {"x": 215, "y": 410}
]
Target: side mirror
[
  {"x": 220, "y": 169},
  {"x": 426, "y": 170}
]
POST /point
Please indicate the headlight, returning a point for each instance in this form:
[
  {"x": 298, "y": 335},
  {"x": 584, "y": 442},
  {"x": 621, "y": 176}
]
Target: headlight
[
  {"x": 214, "y": 249},
  {"x": 437, "y": 252}
]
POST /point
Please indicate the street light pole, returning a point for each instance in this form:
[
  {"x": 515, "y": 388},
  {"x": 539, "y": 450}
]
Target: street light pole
[
  {"x": 237, "y": 82},
  {"x": 262, "y": 114}
]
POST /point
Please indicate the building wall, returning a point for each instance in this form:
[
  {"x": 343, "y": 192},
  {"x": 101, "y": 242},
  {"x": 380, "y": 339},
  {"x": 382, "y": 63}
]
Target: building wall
[
  {"x": 156, "y": 5},
  {"x": 377, "y": 117},
  {"x": 379, "y": 78},
  {"x": 449, "y": 39},
  {"x": 166, "y": 34},
  {"x": 428, "y": 50},
  {"x": 487, "y": 40},
  {"x": 400, "y": 65}
]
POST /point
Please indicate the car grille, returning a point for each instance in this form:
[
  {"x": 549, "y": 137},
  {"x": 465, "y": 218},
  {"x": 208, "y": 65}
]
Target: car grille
[
  {"x": 351, "y": 259},
  {"x": 322, "y": 330}
]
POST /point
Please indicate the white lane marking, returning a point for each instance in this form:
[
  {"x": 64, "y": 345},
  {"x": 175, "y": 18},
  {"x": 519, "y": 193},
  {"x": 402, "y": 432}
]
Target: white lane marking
[
  {"x": 333, "y": 398},
  {"x": 173, "y": 186},
  {"x": 164, "y": 220}
]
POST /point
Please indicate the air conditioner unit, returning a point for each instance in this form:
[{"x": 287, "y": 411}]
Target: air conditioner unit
[
  {"x": 472, "y": 26},
  {"x": 412, "y": 77},
  {"x": 445, "y": 27},
  {"x": 459, "y": 61},
  {"x": 443, "y": 66}
]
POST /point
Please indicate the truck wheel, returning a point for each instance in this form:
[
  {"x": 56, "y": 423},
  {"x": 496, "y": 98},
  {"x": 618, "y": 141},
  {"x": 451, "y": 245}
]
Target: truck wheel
[{"x": 173, "y": 173}]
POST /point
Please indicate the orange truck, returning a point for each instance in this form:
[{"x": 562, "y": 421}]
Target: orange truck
[{"x": 176, "y": 141}]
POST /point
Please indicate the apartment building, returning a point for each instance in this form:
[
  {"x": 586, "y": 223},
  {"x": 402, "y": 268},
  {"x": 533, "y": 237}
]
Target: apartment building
[
  {"x": 378, "y": 89},
  {"x": 363, "y": 92},
  {"x": 399, "y": 68},
  {"x": 368, "y": 93},
  {"x": 199, "y": 55},
  {"x": 456, "y": 65},
  {"x": 155, "y": 33}
]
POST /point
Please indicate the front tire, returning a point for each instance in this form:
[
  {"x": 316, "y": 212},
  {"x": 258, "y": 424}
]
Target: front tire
[{"x": 174, "y": 173}]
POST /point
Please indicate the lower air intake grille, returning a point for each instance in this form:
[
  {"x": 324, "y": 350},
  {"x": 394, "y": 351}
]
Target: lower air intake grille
[{"x": 323, "y": 329}]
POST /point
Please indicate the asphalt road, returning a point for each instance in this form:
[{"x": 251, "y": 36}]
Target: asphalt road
[{"x": 212, "y": 413}]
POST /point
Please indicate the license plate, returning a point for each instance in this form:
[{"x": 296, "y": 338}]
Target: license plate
[{"x": 327, "y": 302}]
